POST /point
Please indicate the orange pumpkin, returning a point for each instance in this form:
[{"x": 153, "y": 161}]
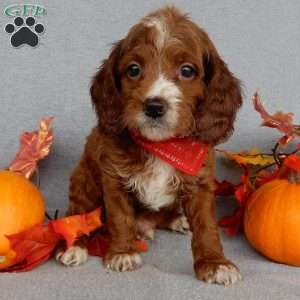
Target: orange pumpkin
[
  {"x": 272, "y": 221},
  {"x": 21, "y": 207}
]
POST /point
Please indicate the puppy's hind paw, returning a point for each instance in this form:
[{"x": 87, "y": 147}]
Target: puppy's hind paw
[
  {"x": 74, "y": 256},
  {"x": 180, "y": 224}
]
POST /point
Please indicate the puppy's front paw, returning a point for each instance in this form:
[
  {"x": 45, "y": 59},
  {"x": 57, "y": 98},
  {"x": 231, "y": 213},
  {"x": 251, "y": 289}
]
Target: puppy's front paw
[
  {"x": 180, "y": 224},
  {"x": 123, "y": 262},
  {"x": 73, "y": 256},
  {"x": 226, "y": 274}
]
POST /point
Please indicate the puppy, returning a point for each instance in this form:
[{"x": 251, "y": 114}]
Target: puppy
[{"x": 164, "y": 80}]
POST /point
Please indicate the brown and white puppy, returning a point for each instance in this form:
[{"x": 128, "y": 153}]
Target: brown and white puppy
[{"x": 164, "y": 79}]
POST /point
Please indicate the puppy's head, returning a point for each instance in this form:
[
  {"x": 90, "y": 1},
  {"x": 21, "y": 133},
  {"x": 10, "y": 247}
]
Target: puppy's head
[{"x": 166, "y": 79}]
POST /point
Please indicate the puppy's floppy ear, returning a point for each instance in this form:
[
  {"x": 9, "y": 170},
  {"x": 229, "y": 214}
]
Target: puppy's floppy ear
[
  {"x": 217, "y": 110},
  {"x": 105, "y": 93}
]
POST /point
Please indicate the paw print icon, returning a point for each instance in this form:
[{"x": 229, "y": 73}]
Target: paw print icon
[{"x": 24, "y": 31}]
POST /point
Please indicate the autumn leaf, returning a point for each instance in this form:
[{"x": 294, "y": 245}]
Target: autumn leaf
[
  {"x": 269, "y": 168},
  {"x": 34, "y": 146},
  {"x": 32, "y": 247},
  {"x": 283, "y": 122},
  {"x": 98, "y": 245},
  {"x": 232, "y": 223},
  {"x": 74, "y": 226},
  {"x": 293, "y": 162},
  {"x": 224, "y": 188},
  {"x": 242, "y": 191},
  {"x": 35, "y": 245},
  {"x": 253, "y": 157},
  {"x": 142, "y": 245}
]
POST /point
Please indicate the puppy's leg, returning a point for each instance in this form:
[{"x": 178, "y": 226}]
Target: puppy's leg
[
  {"x": 209, "y": 262},
  {"x": 120, "y": 220},
  {"x": 84, "y": 196}
]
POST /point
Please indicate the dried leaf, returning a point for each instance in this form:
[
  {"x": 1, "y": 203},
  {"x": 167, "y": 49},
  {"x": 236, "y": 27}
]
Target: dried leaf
[
  {"x": 244, "y": 189},
  {"x": 142, "y": 245},
  {"x": 234, "y": 222},
  {"x": 283, "y": 122},
  {"x": 254, "y": 157},
  {"x": 224, "y": 188},
  {"x": 98, "y": 245},
  {"x": 34, "y": 146},
  {"x": 74, "y": 226},
  {"x": 293, "y": 162},
  {"x": 33, "y": 247}
]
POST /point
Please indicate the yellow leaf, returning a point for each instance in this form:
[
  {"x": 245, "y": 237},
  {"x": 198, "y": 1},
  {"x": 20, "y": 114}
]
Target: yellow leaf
[{"x": 254, "y": 157}]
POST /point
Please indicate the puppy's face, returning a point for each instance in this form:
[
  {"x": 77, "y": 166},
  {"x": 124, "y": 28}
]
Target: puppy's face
[
  {"x": 167, "y": 80},
  {"x": 161, "y": 80}
]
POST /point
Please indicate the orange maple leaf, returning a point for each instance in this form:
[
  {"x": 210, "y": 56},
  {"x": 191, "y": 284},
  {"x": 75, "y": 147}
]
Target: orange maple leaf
[
  {"x": 35, "y": 246},
  {"x": 74, "y": 226},
  {"x": 34, "y": 146},
  {"x": 32, "y": 247}
]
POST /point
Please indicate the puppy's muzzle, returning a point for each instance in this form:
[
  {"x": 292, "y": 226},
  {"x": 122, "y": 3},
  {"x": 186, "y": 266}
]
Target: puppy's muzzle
[{"x": 155, "y": 108}]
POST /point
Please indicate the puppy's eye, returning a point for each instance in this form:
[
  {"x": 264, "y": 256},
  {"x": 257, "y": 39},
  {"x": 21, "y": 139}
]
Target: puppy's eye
[
  {"x": 133, "y": 71},
  {"x": 187, "y": 72}
]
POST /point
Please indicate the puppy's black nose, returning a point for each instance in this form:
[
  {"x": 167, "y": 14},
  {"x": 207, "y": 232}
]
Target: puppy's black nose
[{"x": 154, "y": 108}]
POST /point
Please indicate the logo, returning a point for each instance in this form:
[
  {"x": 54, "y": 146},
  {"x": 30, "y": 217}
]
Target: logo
[{"x": 24, "y": 29}]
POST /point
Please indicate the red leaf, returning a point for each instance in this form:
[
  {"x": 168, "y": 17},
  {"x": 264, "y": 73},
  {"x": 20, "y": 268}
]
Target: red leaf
[
  {"x": 293, "y": 162},
  {"x": 99, "y": 244},
  {"x": 227, "y": 221},
  {"x": 286, "y": 139},
  {"x": 242, "y": 193},
  {"x": 233, "y": 223},
  {"x": 224, "y": 188},
  {"x": 244, "y": 189},
  {"x": 33, "y": 247},
  {"x": 142, "y": 245},
  {"x": 74, "y": 226}
]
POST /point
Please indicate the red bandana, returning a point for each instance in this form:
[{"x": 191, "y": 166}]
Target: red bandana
[{"x": 184, "y": 154}]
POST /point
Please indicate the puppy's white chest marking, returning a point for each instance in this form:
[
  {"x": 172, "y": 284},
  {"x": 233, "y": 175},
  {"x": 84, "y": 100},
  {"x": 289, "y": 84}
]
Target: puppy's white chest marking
[{"x": 156, "y": 184}]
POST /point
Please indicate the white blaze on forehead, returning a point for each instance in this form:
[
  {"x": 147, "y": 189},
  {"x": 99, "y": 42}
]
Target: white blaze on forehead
[{"x": 161, "y": 27}]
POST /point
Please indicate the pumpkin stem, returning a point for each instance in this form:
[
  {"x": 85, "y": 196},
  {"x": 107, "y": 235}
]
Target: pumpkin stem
[{"x": 294, "y": 176}]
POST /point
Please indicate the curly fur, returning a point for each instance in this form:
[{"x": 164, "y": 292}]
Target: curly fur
[{"x": 116, "y": 173}]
